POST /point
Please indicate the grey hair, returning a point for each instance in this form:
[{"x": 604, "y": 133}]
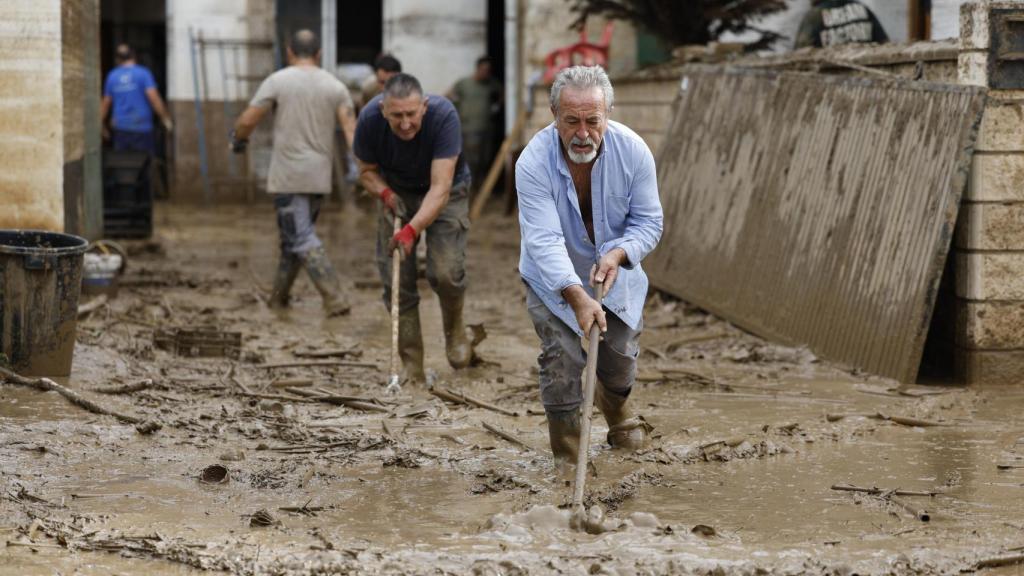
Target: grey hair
[
  {"x": 582, "y": 77},
  {"x": 401, "y": 86}
]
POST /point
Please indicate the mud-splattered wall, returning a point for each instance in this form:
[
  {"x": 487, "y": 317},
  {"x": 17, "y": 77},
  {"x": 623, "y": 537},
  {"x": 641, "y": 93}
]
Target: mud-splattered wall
[
  {"x": 31, "y": 118},
  {"x": 49, "y": 126}
]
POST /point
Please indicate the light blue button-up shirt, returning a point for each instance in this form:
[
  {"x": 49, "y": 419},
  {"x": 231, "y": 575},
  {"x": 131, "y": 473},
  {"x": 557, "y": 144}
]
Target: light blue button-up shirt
[{"x": 556, "y": 250}]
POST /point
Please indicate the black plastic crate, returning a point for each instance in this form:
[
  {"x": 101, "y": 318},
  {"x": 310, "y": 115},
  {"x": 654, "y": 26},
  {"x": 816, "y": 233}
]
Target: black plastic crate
[{"x": 127, "y": 194}]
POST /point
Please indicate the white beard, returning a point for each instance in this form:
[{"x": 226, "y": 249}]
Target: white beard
[{"x": 582, "y": 157}]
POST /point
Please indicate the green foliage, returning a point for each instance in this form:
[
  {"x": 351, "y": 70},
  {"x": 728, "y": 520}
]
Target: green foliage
[{"x": 680, "y": 22}]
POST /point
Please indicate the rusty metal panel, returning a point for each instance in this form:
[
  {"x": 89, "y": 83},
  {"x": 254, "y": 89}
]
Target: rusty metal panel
[{"x": 815, "y": 210}]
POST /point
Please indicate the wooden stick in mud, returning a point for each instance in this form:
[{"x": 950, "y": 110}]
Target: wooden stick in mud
[
  {"x": 47, "y": 385},
  {"x": 919, "y": 513},
  {"x": 127, "y": 388},
  {"x": 905, "y": 421},
  {"x": 462, "y": 398},
  {"x": 506, "y": 436},
  {"x": 589, "y": 387},
  {"x": 310, "y": 363},
  {"x": 93, "y": 304},
  {"x": 356, "y": 402},
  {"x": 1000, "y": 561},
  {"x": 879, "y": 491}
]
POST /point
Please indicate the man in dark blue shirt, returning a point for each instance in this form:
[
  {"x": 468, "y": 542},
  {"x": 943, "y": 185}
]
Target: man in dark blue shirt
[
  {"x": 409, "y": 148},
  {"x": 130, "y": 91}
]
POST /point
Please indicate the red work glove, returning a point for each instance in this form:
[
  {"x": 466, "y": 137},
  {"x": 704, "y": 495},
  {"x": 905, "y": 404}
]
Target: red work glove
[
  {"x": 406, "y": 238},
  {"x": 393, "y": 202}
]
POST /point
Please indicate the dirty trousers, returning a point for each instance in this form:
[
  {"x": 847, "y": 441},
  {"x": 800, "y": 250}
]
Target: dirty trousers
[
  {"x": 562, "y": 357},
  {"x": 446, "y": 249},
  {"x": 296, "y": 221}
]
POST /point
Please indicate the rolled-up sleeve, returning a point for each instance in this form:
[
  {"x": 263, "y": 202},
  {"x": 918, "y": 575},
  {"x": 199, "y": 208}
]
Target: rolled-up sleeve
[
  {"x": 542, "y": 236},
  {"x": 644, "y": 221}
]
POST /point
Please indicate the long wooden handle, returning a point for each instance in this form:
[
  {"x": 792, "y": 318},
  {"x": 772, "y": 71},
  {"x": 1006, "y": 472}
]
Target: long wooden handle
[
  {"x": 589, "y": 387},
  {"x": 396, "y": 276}
]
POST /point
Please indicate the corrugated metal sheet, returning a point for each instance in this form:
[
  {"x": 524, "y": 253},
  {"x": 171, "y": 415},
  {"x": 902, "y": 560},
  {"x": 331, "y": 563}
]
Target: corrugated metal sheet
[{"x": 815, "y": 210}]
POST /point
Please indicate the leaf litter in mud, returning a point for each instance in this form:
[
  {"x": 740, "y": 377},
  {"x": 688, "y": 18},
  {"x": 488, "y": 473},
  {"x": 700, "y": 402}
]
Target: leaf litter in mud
[{"x": 493, "y": 481}]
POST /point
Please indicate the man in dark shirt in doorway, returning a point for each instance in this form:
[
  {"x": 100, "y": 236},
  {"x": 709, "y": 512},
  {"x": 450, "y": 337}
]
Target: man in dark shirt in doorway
[
  {"x": 408, "y": 145},
  {"x": 836, "y": 22}
]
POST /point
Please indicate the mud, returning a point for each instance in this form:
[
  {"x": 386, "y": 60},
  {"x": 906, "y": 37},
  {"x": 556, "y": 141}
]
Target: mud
[{"x": 738, "y": 479}]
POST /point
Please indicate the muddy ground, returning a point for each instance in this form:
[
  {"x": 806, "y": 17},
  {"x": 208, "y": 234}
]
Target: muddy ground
[{"x": 751, "y": 439}]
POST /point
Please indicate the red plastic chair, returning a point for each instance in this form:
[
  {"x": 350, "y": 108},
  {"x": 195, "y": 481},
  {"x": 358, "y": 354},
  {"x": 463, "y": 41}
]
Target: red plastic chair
[{"x": 582, "y": 53}]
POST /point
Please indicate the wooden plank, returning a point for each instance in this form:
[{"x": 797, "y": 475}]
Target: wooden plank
[{"x": 815, "y": 210}]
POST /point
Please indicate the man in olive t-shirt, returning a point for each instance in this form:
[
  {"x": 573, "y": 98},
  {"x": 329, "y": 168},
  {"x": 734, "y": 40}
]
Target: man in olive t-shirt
[
  {"x": 306, "y": 102},
  {"x": 477, "y": 99}
]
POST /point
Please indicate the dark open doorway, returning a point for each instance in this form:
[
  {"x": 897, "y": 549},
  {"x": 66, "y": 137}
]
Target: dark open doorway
[
  {"x": 142, "y": 24},
  {"x": 360, "y": 31}
]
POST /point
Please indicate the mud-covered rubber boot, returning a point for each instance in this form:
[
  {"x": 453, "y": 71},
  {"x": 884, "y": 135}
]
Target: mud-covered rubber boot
[
  {"x": 287, "y": 270},
  {"x": 456, "y": 345},
  {"x": 325, "y": 278},
  {"x": 410, "y": 345},
  {"x": 564, "y": 434},
  {"x": 625, "y": 430}
]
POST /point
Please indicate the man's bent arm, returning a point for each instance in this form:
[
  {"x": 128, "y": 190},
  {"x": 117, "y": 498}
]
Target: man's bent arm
[
  {"x": 442, "y": 170},
  {"x": 347, "y": 119},
  {"x": 247, "y": 122}
]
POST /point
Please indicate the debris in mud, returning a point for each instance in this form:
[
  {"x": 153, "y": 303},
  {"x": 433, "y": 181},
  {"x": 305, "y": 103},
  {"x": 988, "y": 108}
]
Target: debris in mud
[
  {"x": 214, "y": 474},
  {"x": 494, "y": 481},
  {"x": 716, "y": 451},
  {"x": 625, "y": 489},
  {"x": 764, "y": 353},
  {"x": 262, "y": 518},
  {"x": 403, "y": 458},
  {"x": 704, "y": 530},
  {"x": 202, "y": 342}
]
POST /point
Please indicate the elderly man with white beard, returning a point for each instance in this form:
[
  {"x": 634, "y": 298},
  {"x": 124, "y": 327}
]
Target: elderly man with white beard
[{"x": 588, "y": 209}]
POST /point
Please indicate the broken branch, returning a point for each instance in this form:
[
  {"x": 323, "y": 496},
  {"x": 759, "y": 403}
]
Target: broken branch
[
  {"x": 47, "y": 385},
  {"x": 506, "y": 436},
  {"x": 311, "y": 363},
  {"x": 461, "y": 398},
  {"x": 879, "y": 491}
]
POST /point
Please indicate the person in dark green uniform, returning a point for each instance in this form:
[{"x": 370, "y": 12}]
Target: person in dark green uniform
[
  {"x": 477, "y": 98},
  {"x": 836, "y": 22}
]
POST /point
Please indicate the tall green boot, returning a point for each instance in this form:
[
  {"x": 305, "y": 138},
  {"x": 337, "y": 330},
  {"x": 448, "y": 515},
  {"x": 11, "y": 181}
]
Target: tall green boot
[
  {"x": 564, "y": 434},
  {"x": 410, "y": 345},
  {"x": 287, "y": 270},
  {"x": 325, "y": 278},
  {"x": 457, "y": 346}
]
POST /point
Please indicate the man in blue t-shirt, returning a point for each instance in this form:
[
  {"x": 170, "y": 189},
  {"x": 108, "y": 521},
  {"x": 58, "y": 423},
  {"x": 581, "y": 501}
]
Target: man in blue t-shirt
[
  {"x": 409, "y": 148},
  {"x": 131, "y": 93}
]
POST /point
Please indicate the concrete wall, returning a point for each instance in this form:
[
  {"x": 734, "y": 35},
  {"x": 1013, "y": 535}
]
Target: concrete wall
[
  {"x": 31, "y": 116},
  {"x": 438, "y": 42},
  {"x": 80, "y": 70},
  {"x": 232, "y": 178}
]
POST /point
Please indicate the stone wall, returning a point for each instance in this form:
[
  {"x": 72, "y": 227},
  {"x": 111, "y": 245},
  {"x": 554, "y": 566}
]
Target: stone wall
[{"x": 989, "y": 252}]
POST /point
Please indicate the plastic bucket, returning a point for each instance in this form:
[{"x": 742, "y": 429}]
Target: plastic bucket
[
  {"x": 104, "y": 263},
  {"x": 40, "y": 279}
]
